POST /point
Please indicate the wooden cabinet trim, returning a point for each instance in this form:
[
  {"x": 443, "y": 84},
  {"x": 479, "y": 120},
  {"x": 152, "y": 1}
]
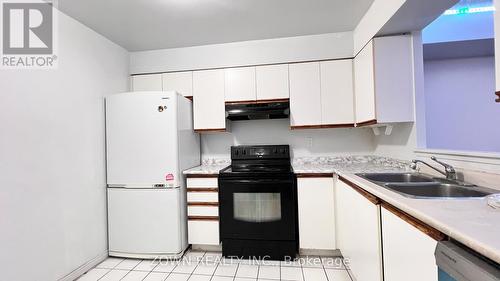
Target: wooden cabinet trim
[
  {"x": 210, "y": 130},
  {"x": 346, "y": 125},
  {"x": 189, "y": 98},
  {"x": 314, "y": 175},
  {"x": 202, "y": 189},
  {"x": 370, "y": 197},
  {"x": 367, "y": 123},
  {"x": 326, "y": 126},
  {"x": 498, "y": 94},
  {"x": 423, "y": 227},
  {"x": 256, "y": 101},
  {"x": 213, "y": 204},
  {"x": 203, "y": 218},
  {"x": 202, "y": 176}
]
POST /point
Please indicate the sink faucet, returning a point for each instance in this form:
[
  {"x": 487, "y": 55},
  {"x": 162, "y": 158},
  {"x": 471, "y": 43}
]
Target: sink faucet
[{"x": 449, "y": 171}]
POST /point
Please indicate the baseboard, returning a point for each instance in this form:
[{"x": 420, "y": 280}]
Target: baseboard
[
  {"x": 73, "y": 275},
  {"x": 316, "y": 252},
  {"x": 208, "y": 248}
]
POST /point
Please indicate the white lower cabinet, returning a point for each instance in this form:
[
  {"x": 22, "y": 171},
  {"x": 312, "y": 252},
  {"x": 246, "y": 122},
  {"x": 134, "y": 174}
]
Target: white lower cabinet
[
  {"x": 408, "y": 252},
  {"x": 358, "y": 233},
  {"x": 202, "y": 232},
  {"x": 316, "y": 213},
  {"x": 203, "y": 211}
]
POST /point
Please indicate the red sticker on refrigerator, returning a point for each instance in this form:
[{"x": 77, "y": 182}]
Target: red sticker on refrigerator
[{"x": 169, "y": 177}]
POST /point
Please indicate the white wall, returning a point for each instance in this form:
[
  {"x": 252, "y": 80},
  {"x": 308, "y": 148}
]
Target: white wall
[
  {"x": 279, "y": 50},
  {"x": 52, "y": 163},
  {"x": 460, "y": 110},
  {"x": 375, "y": 18},
  {"x": 324, "y": 141}
]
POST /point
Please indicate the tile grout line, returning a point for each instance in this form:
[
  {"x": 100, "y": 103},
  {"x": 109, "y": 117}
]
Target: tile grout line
[
  {"x": 109, "y": 270},
  {"x": 151, "y": 271},
  {"x": 133, "y": 269},
  {"x": 198, "y": 263}
]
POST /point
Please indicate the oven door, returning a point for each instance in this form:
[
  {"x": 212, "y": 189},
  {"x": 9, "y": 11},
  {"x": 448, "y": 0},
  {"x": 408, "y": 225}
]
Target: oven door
[{"x": 260, "y": 208}]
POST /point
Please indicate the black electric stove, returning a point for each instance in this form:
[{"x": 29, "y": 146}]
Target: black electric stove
[{"x": 258, "y": 203}]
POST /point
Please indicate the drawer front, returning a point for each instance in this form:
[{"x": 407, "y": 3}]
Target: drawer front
[
  {"x": 202, "y": 197},
  {"x": 210, "y": 211},
  {"x": 203, "y": 232},
  {"x": 202, "y": 182}
]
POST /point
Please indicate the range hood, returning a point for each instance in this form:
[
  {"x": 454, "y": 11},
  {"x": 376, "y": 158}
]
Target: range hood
[{"x": 257, "y": 110}]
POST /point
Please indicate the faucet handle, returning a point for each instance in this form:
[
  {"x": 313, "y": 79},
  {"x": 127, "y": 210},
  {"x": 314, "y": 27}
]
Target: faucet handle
[
  {"x": 413, "y": 164},
  {"x": 448, "y": 167}
]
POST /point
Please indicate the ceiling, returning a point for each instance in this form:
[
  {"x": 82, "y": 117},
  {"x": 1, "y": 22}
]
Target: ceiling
[{"x": 156, "y": 24}]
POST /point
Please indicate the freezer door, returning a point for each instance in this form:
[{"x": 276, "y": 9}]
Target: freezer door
[
  {"x": 142, "y": 142},
  {"x": 145, "y": 222}
]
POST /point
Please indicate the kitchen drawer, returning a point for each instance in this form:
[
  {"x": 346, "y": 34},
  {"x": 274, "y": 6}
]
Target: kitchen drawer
[
  {"x": 202, "y": 182},
  {"x": 204, "y": 232},
  {"x": 203, "y": 197},
  {"x": 211, "y": 211}
]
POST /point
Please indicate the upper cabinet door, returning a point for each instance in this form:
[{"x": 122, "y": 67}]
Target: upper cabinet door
[
  {"x": 394, "y": 84},
  {"x": 240, "y": 84},
  {"x": 305, "y": 94},
  {"x": 208, "y": 100},
  {"x": 364, "y": 85},
  {"x": 181, "y": 82},
  {"x": 272, "y": 82},
  {"x": 149, "y": 82},
  {"x": 337, "y": 93}
]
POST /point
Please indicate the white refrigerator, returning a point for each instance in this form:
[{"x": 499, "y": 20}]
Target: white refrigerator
[{"x": 149, "y": 142}]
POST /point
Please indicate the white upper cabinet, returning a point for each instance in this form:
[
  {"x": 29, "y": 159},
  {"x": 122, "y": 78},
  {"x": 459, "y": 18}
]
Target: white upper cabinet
[
  {"x": 147, "y": 82},
  {"x": 402, "y": 240},
  {"x": 240, "y": 84},
  {"x": 337, "y": 92},
  {"x": 383, "y": 80},
  {"x": 393, "y": 64},
  {"x": 181, "y": 82},
  {"x": 315, "y": 197},
  {"x": 305, "y": 94},
  {"x": 272, "y": 82},
  {"x": 364, "y": 85},
  {"x": 208, "y": 100}
]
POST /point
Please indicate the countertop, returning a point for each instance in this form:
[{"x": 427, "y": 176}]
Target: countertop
[
  {"x": 316, "y": 165},
  {"x": 208, "y": 167},
  {"x": 470, "y": 221}
]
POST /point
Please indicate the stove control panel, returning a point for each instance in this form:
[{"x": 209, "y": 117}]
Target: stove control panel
[{"x": 260, "y": 152}]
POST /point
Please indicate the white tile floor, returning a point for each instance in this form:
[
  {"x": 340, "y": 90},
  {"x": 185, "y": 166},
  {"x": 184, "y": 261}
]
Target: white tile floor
[{"x": 210, "y": 266}]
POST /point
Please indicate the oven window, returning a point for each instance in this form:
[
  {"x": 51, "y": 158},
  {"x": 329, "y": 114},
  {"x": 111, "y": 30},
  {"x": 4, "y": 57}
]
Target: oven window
[{"x": 257, "y": 207}]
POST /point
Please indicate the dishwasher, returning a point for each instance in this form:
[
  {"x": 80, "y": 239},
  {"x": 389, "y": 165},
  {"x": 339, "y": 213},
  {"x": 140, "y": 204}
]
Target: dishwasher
[{"x": 457, "y": 263}]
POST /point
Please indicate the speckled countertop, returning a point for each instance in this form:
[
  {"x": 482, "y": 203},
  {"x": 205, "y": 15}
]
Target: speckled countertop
[
  {"x": 355, "y": 164},
  {"x": 209, "y": 167},
  {"x": 317, "y": 165}
]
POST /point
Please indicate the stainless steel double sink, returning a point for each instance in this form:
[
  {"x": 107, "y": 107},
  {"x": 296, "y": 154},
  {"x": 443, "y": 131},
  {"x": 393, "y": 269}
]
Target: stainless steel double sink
[{"x": 417, "y": 185}]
